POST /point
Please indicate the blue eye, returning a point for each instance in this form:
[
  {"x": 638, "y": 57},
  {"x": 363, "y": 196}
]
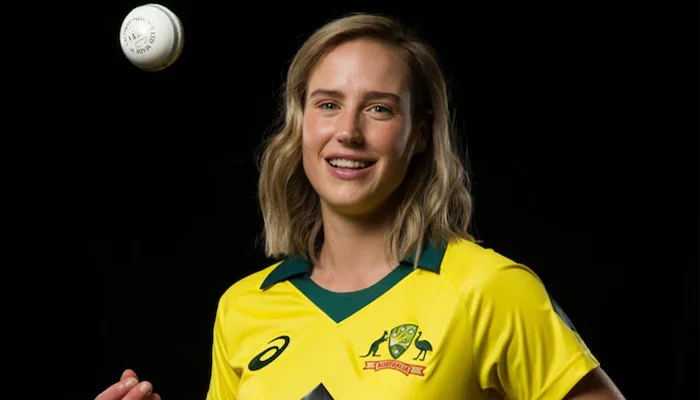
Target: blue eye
[
  {"x": 327, "y": 106},
  {"x": 381, "y": 109}
]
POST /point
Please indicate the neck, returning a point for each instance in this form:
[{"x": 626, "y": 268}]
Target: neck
[{"x": 354, "y": 251}]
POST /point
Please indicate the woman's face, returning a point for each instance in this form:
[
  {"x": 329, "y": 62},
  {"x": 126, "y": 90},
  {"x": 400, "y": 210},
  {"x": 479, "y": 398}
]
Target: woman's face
[{"x": 358, "y": 130}]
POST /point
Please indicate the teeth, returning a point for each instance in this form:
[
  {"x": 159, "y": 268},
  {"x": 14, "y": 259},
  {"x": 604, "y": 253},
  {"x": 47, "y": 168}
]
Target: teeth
[{"x": 342, "y": 163}]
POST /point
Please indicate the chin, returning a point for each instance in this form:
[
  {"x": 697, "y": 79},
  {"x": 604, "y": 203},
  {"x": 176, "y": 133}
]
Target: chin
[
  {"x": 353, "y": 205},
  {"x": 346, "y": 205}
]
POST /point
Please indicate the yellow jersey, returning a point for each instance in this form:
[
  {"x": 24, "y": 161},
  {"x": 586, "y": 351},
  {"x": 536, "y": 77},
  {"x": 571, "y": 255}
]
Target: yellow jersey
[{"x": 468, "y": 323}]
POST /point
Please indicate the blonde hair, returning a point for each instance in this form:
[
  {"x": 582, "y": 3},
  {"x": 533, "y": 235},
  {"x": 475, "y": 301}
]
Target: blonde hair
[{"x": 436, "y": 204}]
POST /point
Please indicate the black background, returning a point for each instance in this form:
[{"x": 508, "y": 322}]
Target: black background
[{"x": 582, "y": 137}]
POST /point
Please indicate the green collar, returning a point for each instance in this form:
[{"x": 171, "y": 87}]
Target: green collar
[{"x": 430, "y": 260}]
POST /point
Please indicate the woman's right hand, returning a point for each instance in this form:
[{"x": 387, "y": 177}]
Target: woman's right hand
[{"x": 129, "y": 388}]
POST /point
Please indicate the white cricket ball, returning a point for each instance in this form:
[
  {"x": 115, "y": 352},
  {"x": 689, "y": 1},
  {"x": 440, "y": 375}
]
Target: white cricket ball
[{"x": 151, "y": 37}]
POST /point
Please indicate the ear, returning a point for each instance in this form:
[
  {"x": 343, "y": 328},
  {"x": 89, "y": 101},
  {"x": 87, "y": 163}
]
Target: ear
[{"x": 421, "y": 138}]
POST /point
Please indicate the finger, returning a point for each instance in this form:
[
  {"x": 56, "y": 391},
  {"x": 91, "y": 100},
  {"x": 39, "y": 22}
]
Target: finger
[
  {"x": 154, "y": 396},
  {"x": 128, "y": 373},
  {"x": 139, "y": 392},
  {"x": 118, "y": 390}
]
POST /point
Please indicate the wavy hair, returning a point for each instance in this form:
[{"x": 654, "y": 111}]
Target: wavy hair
[{"x": 435, "y": 204}]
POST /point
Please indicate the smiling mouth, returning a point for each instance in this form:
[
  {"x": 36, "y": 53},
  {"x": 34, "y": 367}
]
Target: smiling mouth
[{"x": 349, "y": 164}]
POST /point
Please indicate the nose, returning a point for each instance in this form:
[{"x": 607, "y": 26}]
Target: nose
[{"x": 349, "y": 129}]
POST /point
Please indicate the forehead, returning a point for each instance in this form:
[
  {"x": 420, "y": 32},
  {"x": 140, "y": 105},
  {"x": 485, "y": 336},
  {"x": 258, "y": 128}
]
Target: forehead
[{"x": 362, "y": 65}]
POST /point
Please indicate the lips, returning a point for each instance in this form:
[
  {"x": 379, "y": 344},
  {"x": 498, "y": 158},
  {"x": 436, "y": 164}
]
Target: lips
[
  {"x": 349, "y": 160},
  {"x": 349, "y": 167},
  {"x": 349, "y": 163}
]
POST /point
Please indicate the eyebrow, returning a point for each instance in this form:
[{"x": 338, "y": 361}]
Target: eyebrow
[{"x": 370, "y": 95}]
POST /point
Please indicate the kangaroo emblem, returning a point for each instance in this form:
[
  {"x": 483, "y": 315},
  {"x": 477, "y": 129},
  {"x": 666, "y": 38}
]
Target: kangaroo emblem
[{"x": 375, "y": 345}]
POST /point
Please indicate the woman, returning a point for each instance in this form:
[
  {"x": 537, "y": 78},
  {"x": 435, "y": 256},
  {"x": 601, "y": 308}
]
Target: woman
[{"x": 381, "y": 291}]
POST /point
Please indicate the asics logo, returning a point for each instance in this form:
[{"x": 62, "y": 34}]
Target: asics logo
[{"x": 258, "y": 363}]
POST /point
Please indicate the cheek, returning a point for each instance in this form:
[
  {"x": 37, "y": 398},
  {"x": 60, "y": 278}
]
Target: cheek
[
  {"x": 313, "y": 132},
  {"x": 393, "y": 143},
  {"x": 313, "y": 141}
]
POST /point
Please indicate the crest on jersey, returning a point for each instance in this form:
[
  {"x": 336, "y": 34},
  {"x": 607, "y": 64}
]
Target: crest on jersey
[{"x": 399, "y": 340}]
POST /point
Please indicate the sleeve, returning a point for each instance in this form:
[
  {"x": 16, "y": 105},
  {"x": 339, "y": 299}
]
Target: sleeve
[
  {"x": 224, "y": 380},
  {"x": 524, "y": 347}
]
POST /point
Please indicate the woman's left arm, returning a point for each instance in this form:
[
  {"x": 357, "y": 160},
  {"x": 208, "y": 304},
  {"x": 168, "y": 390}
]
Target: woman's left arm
[{"x": 596, "y": 385}]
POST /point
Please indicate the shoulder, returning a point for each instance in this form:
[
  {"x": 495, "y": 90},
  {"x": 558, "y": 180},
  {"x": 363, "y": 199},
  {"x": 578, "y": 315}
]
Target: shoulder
[
  {"x": 245, "y": 287},
  {"x": 465, "y": 260},
  {"x": 523, "y": 344},
  {"x": 475, "y": 269}
]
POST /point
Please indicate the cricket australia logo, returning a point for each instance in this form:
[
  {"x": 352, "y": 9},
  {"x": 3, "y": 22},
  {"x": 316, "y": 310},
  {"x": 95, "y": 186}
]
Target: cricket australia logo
[{"x": 399, "y": 341}]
